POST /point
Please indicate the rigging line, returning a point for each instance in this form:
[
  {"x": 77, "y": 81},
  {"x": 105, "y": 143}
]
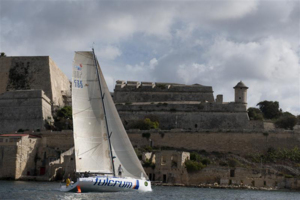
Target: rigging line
[
  {"x": 89, "y": 150},
  {"x": 98, "y": 70},
  {"x": 82, "y": 111}
]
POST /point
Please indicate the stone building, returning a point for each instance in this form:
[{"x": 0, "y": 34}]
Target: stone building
[
  {"x": 40, "y": 156},
  {"x": 34, "y": 72},
  {"x": 169, "y": 166},
  {"x": 190, "y": 107},
  {"x": 31, "y": 88},
  {"x": 17, "y": 155}
]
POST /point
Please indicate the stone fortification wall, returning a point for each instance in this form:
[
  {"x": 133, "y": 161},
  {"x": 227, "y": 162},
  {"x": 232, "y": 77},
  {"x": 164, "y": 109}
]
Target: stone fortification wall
[
  {"x": 17, "y": 154},
  {"x": 61, "y": 141},
  {"x": 8, "y": 161},
  {"x": 189, "y": 120},
  {"x": 34, "y": 72},
  {"x": 183, "y": 106},
  {"x": 133, "y": 91},
  {"x": 5, "y": 64},
  {"x": 25, "y": 157},
  {"x": 242, "y": 143},
  {"x": 60, "y": 84},
  {"x": 24, "y": 110}
]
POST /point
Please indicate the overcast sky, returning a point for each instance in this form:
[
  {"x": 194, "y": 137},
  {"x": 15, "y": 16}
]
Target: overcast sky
[{"x": 213, "y": 43}]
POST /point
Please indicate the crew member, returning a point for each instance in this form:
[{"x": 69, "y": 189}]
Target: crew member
[
  {"x": 120, "y": 170},
  {"x": 68, "y": 181}
]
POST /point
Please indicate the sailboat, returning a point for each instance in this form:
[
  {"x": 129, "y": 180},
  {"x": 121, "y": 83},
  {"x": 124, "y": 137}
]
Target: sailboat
[{"x": 101, "y": 142}]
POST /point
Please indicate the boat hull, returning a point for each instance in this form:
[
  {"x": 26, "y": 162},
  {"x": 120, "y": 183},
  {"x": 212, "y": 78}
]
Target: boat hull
[{"x": 108, "y": 184}]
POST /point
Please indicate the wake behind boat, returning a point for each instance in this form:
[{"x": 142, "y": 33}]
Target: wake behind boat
[{"x": 101, "y": 142}]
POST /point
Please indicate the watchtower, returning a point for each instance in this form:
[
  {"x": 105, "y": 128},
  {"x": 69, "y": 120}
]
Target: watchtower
[{"x": 240, "y": 93}]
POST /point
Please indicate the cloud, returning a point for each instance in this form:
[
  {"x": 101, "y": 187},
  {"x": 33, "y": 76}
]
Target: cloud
[
  {"x": 109, "y": 52},
  {"x": 215, "y": 43}
]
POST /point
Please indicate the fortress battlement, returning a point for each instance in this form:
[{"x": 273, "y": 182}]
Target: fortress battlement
[
  {"x": 134, "y": 91},
  {"x": 159, "y": 87}
]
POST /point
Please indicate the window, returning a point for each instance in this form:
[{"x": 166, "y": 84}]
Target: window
[
  {"x": 232, "y": 173},
  {"x": 163, "y": 160},
  {"x": 1, "y": 139}
]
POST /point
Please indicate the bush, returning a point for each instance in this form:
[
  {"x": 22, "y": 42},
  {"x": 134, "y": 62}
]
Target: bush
[
  {"x": 255, "y": 114},
  {"x": 286, "y": 121},
  {"x": 148, "y": 163},
  {"x": 195, "y": 157},
  {"x": 205, "y": 161},
  {"x": 193, "y": 166},
  {"x": 145, "y": 124}
]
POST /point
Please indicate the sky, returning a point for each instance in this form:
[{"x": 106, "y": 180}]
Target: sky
[{"x": 212, "y": 43}]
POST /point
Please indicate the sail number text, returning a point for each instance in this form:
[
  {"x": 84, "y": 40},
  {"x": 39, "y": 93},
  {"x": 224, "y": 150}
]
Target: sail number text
[{"x": 78, "y": 83}]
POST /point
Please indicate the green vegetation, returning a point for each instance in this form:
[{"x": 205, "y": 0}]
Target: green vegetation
[
  {"x": 196, "y": 162},
  {"x": 145, "y": 124},
  {"x": 255, "y": 114},
  {"x": 62, "y": 119},
  {"x": 193, "y": 166},
  {"x": 286, "y": 121},
  {"x": 148, "y": 163},
  {"x": 277, "y": 155},
  {"x": 270, "y": 109}
]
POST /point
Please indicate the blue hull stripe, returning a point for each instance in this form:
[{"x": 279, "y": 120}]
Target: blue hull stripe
[{"x": 137, "y": 185}]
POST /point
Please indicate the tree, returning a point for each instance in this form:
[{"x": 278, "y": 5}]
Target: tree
[
  {"x": 298, "y": 119},
  {"x": 286, "y": 121},
  {"x": 270, "y": 109},
  {"x": 255, "y": 114},
  {"x": 63, "y": 118}
]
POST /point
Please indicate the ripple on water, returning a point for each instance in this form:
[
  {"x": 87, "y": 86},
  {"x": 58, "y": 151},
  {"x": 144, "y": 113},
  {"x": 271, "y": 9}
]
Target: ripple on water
[{"x": 50, "y": 190}]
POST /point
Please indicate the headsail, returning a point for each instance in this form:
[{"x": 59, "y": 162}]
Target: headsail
[
  {"x": 121, "y": 145},
  {"x": 90, "y": 135}
]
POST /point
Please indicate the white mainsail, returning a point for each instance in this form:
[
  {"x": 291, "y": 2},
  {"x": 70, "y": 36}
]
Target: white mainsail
[
  {"x": 90, "y": 136},
  {"x": 90, "y": 132}
]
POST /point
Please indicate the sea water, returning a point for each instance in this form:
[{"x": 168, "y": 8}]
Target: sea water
[{"x": 50, "y": 190}]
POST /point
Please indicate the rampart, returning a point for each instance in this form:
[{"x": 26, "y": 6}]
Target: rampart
[
  {"x": 27, "y": 109},
  {"x": 34, "y": 72},
  {"x": 133, "y": 91},
  {"x": 238, "y": 142}
]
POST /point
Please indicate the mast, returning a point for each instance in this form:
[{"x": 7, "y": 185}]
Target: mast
[{"x": 102, "y": 96}]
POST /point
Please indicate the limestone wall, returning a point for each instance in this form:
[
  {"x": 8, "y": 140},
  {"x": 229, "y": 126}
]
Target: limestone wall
[
  {"x": 60, "y": 84},
  {"x": 242, "y": 143},
  {"x": 190, "y": 120},
  {"x": 25, "y": 157},
  {"x": 33, "y": 72},
  {"x": 5, "y": 64},
  {"x": 23, "y": 110},
  {"x": 8, "y": 161}
]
